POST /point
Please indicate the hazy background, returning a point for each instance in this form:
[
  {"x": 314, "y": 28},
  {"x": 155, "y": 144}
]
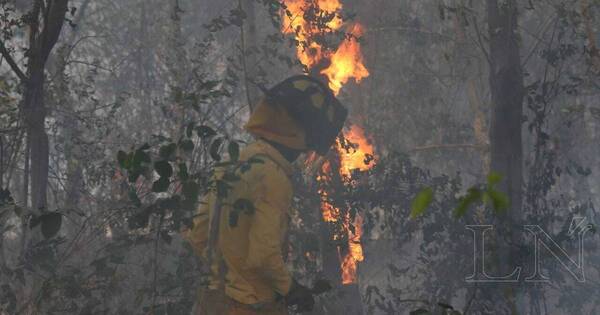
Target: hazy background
[{"x": 129, "y": 72}]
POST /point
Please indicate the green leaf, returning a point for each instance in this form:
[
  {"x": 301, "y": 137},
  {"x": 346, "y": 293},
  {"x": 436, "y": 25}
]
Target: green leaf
[
  {"x": 233, "y": 218},
  {"x": 164, "y": 235},
  {"x": 190, "y": 190},
  {"x": 445, "y": 306},
  {"x": 187, "y": 145},
  {"x": 163, "y": 168},
  {"x": 169, "y": 203},
  {"x": 421, "y": 202},
  {"x": 244, "y": 205},
  {"x": 494, "y": 178},
  {"x": 231, "y": 177},
  {"x": 234, "y": 151},
  {"x": 189, "y": 130},
  {"x": 34, "y": 221},
  {"x": 134, "y": 174},
  {"x": 473, "y": 195},
  {"x": 183, "y": 171},
  {"x": 123, "y": 157},
  {"x": 223, "y": 164},
  {"x": 222, "y": 188},
  {"x": 140, "y": 157},
  {"x": 420, "y": 311},
  {"x": 50, "y": 224},
  {"x": 214, "y": 149},
  {"x": 161, "y": 185},
  {"x": 139, "y": 220},
  {"x": 256, "y": 160},
  {"x": 499, "y": 200},
  {"x": 134, "y": 197},
  {"x": 167, "y": 151},
  {"x": 205, "y": 132},
  {"x": 240, "y": 206},
  {"x": 321, "y": 286}
]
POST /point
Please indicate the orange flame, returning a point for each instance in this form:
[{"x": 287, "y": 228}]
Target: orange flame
[
  {"x": 294, "y": 22},
  {"x": 347, "y": 62},
  {"x": 361, "y": 158},
  {"x": 344, "y": 64},
  {"x": 355, "y": 252}
]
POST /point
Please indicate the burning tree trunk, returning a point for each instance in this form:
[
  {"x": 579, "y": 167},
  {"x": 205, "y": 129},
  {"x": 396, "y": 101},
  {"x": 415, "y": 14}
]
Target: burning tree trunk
[
  {"x": 341, "y": 228},
  {"x": 340, "y": 232}
]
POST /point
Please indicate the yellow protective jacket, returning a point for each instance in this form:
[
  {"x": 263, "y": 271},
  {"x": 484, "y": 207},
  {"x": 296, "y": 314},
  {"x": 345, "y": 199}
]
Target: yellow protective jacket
[{"x": 251, "y": 250}]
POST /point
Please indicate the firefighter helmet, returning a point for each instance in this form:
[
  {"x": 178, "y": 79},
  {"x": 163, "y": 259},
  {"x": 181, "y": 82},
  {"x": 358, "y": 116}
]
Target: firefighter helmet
[{"x": 314, "y": 107}]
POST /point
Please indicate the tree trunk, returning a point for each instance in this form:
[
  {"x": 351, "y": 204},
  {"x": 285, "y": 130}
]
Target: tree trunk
[
  {"x": 249, "y": 39},
  {"x": 176, "y": 63},
  {"x": 70, "y": 125},
  {"x": 144, "y": 67},
  {"x": 34, "y": 109},
  {"x": 35, "y": 117},
  {"x": 506, "y": 152}
]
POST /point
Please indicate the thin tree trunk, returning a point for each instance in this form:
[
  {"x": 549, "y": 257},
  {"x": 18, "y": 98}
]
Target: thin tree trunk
[
  {"x": 144, "y": 65},
  {"x": 249, "y": 39},
  {"x": 70, "y": 126},
  {"x": 506, "y": 152},
  {"x": 591, "y": 36},
  {"x": 506, "y": 82},
  {"x": 176, "y": 57},
  {"x": 34, "y": 110},
  {"x": 25, "y": 193}
]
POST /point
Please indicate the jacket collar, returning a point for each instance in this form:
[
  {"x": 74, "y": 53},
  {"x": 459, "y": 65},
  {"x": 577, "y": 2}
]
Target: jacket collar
[{"x": 267, "y": 149}]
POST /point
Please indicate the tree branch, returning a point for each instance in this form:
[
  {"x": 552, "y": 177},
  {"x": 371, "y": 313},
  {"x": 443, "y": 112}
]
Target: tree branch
[
  {"x": 450, "y": 146},
  {"x": 11, "y": 62},
  {"x": 53, "y": 24}
]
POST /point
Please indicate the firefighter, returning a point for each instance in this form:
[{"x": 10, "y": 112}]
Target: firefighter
[{"x": 248, "y": 274}]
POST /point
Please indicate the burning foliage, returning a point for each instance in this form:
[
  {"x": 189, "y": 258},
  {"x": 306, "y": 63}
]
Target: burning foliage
[
  {"x": 354, "y": 152},
  {"x": 309, "y": 21}
]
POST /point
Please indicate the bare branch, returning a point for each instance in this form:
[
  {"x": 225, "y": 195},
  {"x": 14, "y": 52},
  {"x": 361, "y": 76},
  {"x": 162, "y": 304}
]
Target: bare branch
[
  {"x": 450, "y": 146},
  {"x": 11, "y": 62}
]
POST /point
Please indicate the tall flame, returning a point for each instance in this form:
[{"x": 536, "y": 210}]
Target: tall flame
[
  {"x": 347, "y": 60},
  {"x": 345, "y": 63},
  {"x": 294, "y": 22},
  {"x": 360, "y": 157},
  {"x": 355, "y": 252}
]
